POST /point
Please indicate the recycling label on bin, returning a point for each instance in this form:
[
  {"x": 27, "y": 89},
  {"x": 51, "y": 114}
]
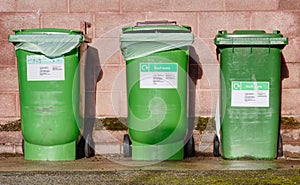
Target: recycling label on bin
[
  {"x": 42, "y": 68},
  {"x": 250, "y": 94},
  {"x": 158, "y": 75}
]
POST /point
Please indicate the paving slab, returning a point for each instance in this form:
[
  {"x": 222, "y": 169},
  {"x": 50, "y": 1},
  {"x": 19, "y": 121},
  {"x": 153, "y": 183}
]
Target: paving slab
[{"x": 114, "y": 169}]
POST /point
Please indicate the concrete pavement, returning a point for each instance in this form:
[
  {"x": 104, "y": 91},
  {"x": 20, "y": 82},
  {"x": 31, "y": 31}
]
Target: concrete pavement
[{"x": 114, "y": 169}]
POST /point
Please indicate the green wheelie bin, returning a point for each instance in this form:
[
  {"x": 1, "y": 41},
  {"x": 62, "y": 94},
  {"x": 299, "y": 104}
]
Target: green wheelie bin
[
  {"x": 156, "y": 55},
  {"x": 250, "y": 94},
  {"x": 49, "y": 91}
]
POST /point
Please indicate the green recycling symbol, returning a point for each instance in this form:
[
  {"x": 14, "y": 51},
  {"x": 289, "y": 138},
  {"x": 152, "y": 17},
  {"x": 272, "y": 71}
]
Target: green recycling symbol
[
  {"x": 236, "y": 85},
  {"x": 144, "y": 67}
]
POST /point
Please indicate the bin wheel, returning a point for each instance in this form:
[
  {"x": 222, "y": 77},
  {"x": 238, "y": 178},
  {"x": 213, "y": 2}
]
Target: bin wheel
[
  {"x": 89, "y": 146},
  {"x": 127, "y": 148},
  {"x": 280, "y": 146},
  {"x": 216, "y": 149},
  {"x": 189, "y": 148}
]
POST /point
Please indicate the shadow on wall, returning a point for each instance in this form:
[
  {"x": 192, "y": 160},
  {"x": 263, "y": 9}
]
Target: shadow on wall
[
  {"x": 284, "y": 69},
  {"x": 284, "y": 74},
  {"x": 91, "y": 73},
  {"x": 195, "y": 73}
]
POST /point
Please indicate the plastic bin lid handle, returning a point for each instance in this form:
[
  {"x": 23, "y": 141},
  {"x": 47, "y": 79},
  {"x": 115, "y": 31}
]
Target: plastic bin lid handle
[{"x": 157, "y": 23}]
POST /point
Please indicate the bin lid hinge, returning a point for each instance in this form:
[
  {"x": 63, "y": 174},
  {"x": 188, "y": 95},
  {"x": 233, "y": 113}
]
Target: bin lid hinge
[{"x": 84, "y": 26}]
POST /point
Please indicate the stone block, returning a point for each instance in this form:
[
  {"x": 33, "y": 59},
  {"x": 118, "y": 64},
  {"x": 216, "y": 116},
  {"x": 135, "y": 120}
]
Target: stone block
[
  {"x": 7, "y": 53},
  {"x": 211, "y": 22},
  {"x": 286, "y": 22},
  {"x": 203, "y": 5},
  {"x": 206, "y": 50},
  {"x": 182, "y": 18},
  {"x": 14, "y": 137},
  {"x": 9, "y": 79},
  {"x": 206, "y": 144},
  {"x": 238, "y": 5},
  {"x": 108, "y": 148},
  {"x": 109, "y": 103},
  {"x": 145, "y": 5},
  {"x": 290, "y": 135},
  {"x": 119, "y": 135},
  {"x": 291, "y": 75},
  {"x": 290, "y": 140},
  {"x": 66, "y": 20},
  {"x": 289, "y": 5},
  {"x": 42, "y": 6},
  {"x": 8, "y": 105},
  {"x": 94, "y": 6},
  {"x": 114, "y": 78},
  {"x": 211, "y": 77},
  {"x": 7, "y": 120},
  {"x": 104, "y": 136},
  {"x": 8, "y": 6},
  {"x": 111, "y": 24},
  {"x": 11, "y": 148},
  {"x": 108, "y": 51},
  {"x": 289, "y": 106},
  {"x": 291, "y": 52},
  {"x": 15, "y": 21},
  {"x": 18, "y": 112},
  {"x": 205, "y": 102}
]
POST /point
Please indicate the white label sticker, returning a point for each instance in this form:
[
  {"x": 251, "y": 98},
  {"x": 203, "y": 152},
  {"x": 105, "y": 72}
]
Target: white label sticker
[
  {"x": 42, "y": 68},
  {"x": 158, "y": 75},
  {"x": 250, "y": 94}
]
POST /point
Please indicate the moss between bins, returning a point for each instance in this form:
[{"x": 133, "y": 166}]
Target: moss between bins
[
  {"x": 11, "y": 126},
  {"x": 204, "y": 123},
  {"x": 289, "y": 123},
  {"x": 201, "y": 124},
  {"x": 111, "y": 123}
]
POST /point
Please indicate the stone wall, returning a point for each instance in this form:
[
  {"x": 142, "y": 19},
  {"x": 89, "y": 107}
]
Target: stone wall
[{"x": 206, "y": 17}]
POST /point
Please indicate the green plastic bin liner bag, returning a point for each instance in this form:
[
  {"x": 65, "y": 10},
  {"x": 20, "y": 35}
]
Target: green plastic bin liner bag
[
  {"x": 49, "y": 91},
  {"x": 250, "y": 92},
  {"x": 156, "y": 66}
]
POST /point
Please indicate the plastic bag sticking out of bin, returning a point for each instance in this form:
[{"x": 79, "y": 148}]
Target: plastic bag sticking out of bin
[
  {"x": 49, "y": 91},
  {"x": 156, "y": 55},
  {"x": 250, "y": 94}
]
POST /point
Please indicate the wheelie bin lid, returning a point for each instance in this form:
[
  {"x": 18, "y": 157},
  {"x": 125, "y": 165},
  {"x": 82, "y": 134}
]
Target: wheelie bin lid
[
  {"x": 47, "y": 31},
  {"x": 150, "y": 37},
  {"x": 250, "y": 37},
  {"x": 157, "y": 26},
  {"x": 51, "y": 42}
]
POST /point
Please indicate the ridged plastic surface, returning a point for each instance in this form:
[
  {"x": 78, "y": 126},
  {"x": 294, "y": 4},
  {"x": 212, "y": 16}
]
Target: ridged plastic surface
[{"x": 250, "y": 98}]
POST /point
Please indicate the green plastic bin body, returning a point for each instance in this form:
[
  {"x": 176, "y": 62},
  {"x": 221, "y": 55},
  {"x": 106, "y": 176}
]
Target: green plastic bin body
[
  {"x": 250, "y": 93},
  {"x": 49, "y": 93},
  {"x": 157, "y": 90}
]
